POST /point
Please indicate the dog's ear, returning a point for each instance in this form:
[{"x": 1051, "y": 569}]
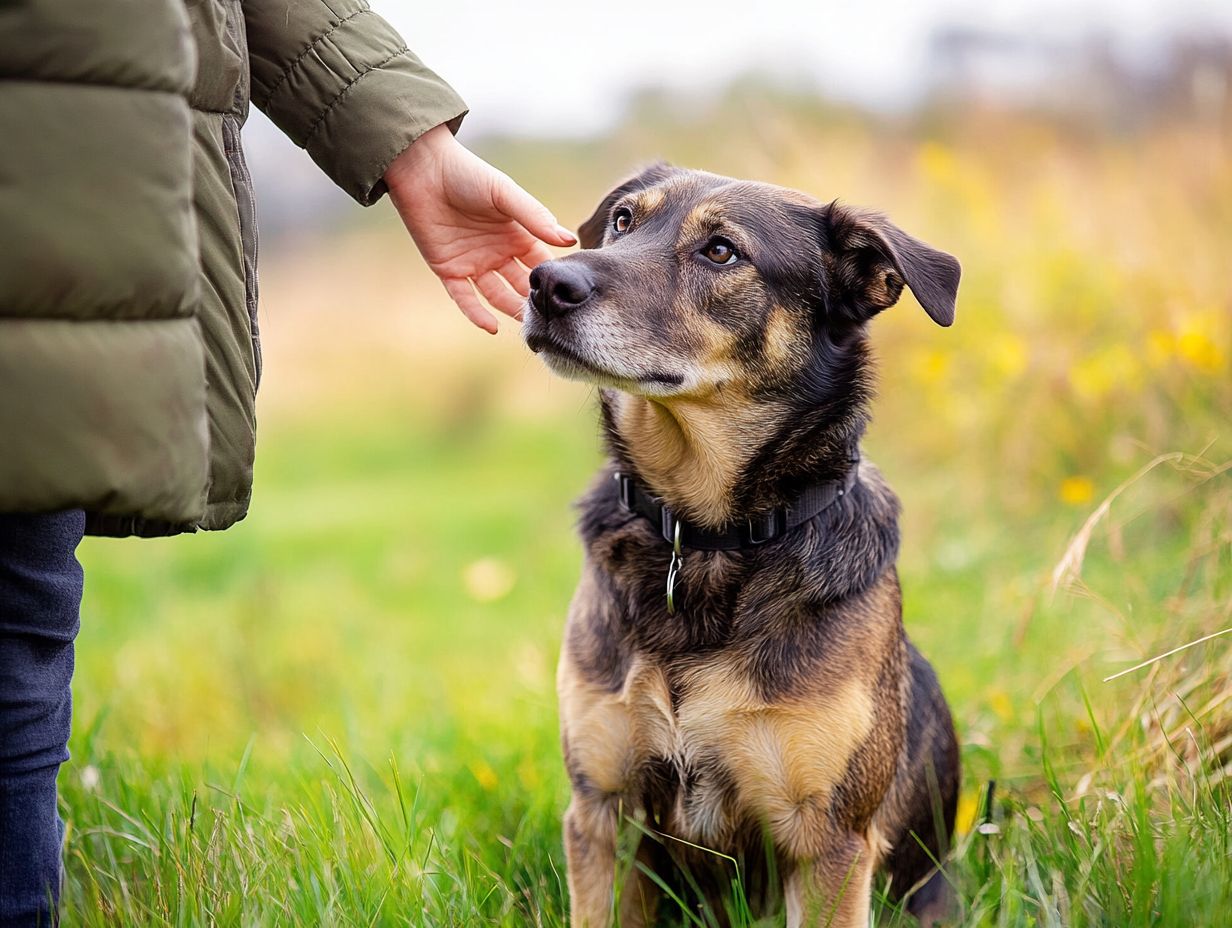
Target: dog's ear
[
  {"x": 590, "y": 232},
  {"x": 870, "y": 259}
]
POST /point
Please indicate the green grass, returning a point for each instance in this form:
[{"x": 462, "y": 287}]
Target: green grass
[
  {"x": 342, "y": 711},
  {"x": 317, "y": 718}
]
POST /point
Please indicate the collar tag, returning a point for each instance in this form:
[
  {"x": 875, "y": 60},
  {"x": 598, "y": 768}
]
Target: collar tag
[{"x": 673, "y": 570}]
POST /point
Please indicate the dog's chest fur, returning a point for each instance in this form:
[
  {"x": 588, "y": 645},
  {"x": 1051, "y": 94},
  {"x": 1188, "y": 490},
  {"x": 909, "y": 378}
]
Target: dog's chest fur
[
  {"x": 719, "y": 760},
  {"x": 751, "y": 706}
]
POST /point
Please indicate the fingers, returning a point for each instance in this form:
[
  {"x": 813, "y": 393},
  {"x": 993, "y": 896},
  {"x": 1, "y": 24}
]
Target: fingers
[
  {"x": 500, "y": 294},
  {"x": 462, "y": 293},
  {"x": 496, "y": 288},
  {"x": 517, "y": 276},
  {"x": 537, "y": 255},
  {"x": 520, "y": 206}
]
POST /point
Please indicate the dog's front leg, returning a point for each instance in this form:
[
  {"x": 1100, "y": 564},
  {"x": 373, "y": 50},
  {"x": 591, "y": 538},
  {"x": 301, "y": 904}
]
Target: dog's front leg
[
  {"x": 833, "y": 889},
  {"x": 591, "y": 851}
]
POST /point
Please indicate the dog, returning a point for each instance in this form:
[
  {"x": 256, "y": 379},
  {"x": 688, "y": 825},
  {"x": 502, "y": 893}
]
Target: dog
[{"x": 735, "y": 677}]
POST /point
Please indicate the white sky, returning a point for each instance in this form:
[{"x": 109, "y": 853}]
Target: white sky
[{"x": 564, "y": 67}]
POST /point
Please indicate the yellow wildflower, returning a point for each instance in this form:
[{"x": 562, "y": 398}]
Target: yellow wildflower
[
  {"x": 1199, "y": 350},
  {"x": 965, "y": 818},
  {"x": 1076, "y": 490},
  {"x": 484, "y": 775},
  {"x": 1001, "y": 705}
]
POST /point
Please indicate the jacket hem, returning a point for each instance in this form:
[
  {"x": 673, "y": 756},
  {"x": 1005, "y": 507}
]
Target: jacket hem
[{"x": 218, "y": 516}]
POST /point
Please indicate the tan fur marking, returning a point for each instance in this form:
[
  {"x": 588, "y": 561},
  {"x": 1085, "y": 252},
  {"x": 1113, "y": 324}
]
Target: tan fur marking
[
  {"x": 879, "y": 845},
  {"x": 716, "y": 343},
  {"x": 610, "y": 735},
  {"x": 783, "y": 346},
  {"x": 699, "y": 222},
  {"x": 835, "y": 890},
  {"x": 884, "y": 289},
  {"x": 591, "y": 876},
  {"x": 650, "y": 200},
  {"x": 740, "y": 280},
  {"x": 785, "y": 757},
  {"x": 597, "y": 729},
  {"x": 692, "y": 450},
  {"x": 592, "y": 864}
]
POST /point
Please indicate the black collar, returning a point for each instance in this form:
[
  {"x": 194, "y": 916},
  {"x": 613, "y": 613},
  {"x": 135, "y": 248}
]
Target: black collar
[{"x": 757, "y": 530}]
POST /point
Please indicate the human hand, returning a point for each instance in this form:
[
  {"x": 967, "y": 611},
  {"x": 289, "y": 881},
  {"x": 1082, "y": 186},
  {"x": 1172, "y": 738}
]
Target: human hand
[{"x": 472, "y": 223}]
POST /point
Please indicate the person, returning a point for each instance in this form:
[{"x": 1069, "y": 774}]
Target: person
[{"x": 129, "y": 346}]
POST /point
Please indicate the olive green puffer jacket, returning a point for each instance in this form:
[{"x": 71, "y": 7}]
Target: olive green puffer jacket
[{"x": 129, "y": 352}]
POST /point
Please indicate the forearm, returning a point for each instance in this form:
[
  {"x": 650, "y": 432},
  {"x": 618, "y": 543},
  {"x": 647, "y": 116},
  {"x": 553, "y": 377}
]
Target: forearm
[{"x": 342, "y": 84}]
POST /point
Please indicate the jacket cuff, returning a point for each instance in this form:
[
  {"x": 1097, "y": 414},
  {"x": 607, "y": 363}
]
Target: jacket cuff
[
  {"x": 375, "y": 118},
  {"x": 355, "y": 98}
]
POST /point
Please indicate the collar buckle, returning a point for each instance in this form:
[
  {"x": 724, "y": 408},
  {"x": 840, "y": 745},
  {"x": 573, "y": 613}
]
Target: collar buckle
[
  {"x": 670, "y": 526},
  {"x": 765, "y": 527},
  {"x": 624, "y": 490}
]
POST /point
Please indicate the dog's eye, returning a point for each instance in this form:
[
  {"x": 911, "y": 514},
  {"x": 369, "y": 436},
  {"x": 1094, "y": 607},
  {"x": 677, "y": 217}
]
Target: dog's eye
[
  {"x": 720, "y": 251},
  {"x": 621, "y": 220}
]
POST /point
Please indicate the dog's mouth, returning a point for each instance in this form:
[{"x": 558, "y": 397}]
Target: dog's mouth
[{"x": 569, "y": 363}]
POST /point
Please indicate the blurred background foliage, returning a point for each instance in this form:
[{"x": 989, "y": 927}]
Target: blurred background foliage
[{"x": 255, "y": 709}]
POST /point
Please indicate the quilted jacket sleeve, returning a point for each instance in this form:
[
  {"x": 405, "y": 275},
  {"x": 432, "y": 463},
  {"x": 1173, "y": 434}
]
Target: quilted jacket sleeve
[{"x": 341, "y": 83}]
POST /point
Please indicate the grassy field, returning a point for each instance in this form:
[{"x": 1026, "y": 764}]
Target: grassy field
[{"x": 342, "y": 711}]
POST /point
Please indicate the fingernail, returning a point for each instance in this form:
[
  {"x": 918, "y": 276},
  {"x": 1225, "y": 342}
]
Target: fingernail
[{"x": 566, "y": 234}]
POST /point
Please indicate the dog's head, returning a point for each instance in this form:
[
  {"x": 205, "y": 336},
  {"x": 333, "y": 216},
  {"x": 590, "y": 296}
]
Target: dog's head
[{"x": 693, "y": 283}]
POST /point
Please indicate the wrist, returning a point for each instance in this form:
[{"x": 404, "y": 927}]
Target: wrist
[{"x": 421, "y": 155}]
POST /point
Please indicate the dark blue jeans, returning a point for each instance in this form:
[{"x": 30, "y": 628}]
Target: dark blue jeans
[{"x": 40, "y": 602}]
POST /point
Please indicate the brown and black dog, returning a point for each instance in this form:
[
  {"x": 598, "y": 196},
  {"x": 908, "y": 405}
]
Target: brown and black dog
[{"x": 766, "y": 695}]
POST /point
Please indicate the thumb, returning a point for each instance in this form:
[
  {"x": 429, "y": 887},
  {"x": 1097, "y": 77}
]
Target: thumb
[{"x": 524, "y": 209}]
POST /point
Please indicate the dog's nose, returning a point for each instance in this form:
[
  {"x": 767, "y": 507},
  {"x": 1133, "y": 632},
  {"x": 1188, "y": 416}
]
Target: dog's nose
[{"x": 559, "y": 287}]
